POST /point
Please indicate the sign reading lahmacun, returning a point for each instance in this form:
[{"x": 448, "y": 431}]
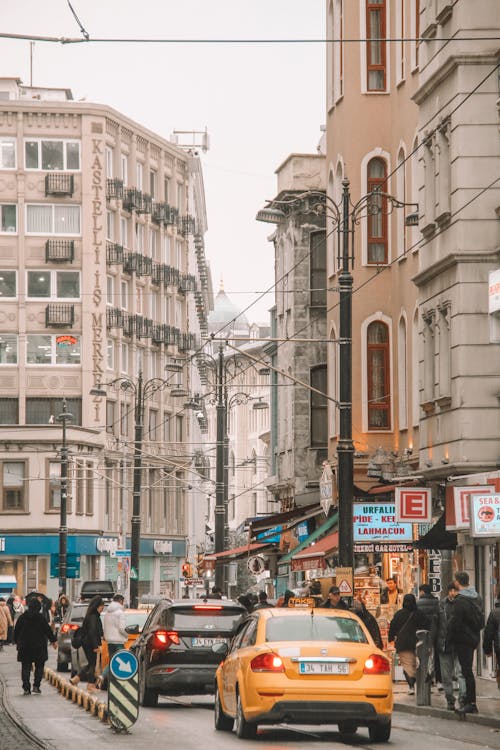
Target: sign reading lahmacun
[
  {"x": 485, "y": 515},
  {"x": 373, "y": 522}
]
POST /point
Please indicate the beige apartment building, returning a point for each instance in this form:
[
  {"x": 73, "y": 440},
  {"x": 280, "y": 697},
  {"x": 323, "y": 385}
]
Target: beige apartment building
[{"x": 103, "y": 275}]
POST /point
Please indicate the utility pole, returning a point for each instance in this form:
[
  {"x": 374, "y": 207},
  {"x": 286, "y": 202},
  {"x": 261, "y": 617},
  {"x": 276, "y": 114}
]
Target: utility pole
[
  {"x": 219, "y": 466},
  {"x": 135, "y": 540},
  {"x": 63, "y": 518}
]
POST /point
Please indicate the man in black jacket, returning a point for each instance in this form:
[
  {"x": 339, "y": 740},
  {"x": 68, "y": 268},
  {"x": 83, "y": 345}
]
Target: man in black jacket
[
  {"x": 334, "y": 600},
  {"x": 429, "y": 605},
  {"x": 447, "y": 658},
  {"x": 31, "y": 634},
  {"x": 463, "y": 632}
]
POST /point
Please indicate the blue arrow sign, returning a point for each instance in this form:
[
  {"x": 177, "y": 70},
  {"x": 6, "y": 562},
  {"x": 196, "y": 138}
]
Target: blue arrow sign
[{"x": 123, "y": 665}]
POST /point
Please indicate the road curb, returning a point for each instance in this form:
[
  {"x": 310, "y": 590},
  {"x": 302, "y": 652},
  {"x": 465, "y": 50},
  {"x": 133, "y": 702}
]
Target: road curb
[
  {"x": 78, "y": 695},
  {"x": 441, "y": 713}
]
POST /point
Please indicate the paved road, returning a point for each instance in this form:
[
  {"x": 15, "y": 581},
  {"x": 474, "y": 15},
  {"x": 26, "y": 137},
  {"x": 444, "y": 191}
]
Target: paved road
[{"x": 187, "y": 724}]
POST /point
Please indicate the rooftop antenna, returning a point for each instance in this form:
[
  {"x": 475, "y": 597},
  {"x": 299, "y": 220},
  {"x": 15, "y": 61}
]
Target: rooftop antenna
[{"x": 32, "y": 44}]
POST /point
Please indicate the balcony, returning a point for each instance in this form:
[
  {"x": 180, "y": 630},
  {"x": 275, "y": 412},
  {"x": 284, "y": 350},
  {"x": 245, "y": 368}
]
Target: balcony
[
  {"x": 59, "y": 183},
  {"x": 157, "y": 273},
  {"x": 132, "y": 199},
  {"x": 172, "y": 276},
  {"x": 59, "y": 251},
  {"x": 170, "y": 335},
  {"x": 186, "y": 225},
  {"x": 144, "y": 265},
  {"x": 146, "y": 205},
  {"x": 59, "y": 316},
  {"x": 114, "y": 317},
  {"x": 187, "y": 283},
  {"x": 158, "y": 333},
  {"x": 187, "y": 341},
  {"x": 114, "y": 190},
  {"x": 114, "y": 254},
  {"x": 172, "y": 216}
]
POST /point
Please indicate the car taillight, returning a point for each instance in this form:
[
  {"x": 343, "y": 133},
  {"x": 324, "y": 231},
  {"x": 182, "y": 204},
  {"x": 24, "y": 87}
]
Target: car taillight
[
  {"x": 267, "y": 662},
  {"x": 68, "y": 626},
  {"x": 208, "y": 608},
  {"x": 165, "y": 638},
  {"x": 377, "y": 664}
]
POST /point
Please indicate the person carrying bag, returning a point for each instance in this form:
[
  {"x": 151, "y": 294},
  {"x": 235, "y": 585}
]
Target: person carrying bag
[{"x": 403, "y": 631}]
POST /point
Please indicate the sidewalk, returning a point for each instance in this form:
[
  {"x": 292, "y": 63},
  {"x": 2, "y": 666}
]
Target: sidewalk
[{"x": 488, "y": 703}]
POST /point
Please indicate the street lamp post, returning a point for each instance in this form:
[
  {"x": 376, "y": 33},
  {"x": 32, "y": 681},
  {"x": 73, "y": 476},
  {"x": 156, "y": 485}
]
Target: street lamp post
[
  {"x": 344, "y": 218},
  {"x": 63, "y": 518},
  {"x": 141, "y": 390}
]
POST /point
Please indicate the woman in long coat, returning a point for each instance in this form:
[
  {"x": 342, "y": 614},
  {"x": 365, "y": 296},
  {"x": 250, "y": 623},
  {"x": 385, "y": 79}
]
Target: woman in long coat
[
  {"x": 5, "y": 622},
  {"x": 31, "y": 633},
  {"x": 403, "y": 630},
  {"x": 92, "y": 638}
]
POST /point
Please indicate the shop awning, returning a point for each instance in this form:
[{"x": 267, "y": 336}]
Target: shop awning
[
  {"x": 314, "y": 555},
  {"x": 437, "y": 537},
  {"x": 247, "y": 550},
  {"x": 7, "y": 584},
  {"x": 326, "y": 526},
  {"x": 287, "y": 520}
]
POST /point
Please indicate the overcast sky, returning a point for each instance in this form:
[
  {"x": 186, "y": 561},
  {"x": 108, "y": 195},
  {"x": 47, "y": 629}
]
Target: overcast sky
[{"x": 259, "y": 102}]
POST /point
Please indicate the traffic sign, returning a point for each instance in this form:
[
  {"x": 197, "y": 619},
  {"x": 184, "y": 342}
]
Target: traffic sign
[
  {"x": 344, "y": 581},
  {"x": 133, "y": 573},
  {"x": 72, "y": 565},
  {"x": 123, "y": 692},
  {"x": 121, "y": 553},
  {"x": 123, "y": 665}
]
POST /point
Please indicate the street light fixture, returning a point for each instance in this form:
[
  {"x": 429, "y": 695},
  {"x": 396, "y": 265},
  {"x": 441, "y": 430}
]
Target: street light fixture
[
  {"x": 63, "y": 517},
  {"x": 344, "y": 217},
  {"x": 141, "y": 391}
]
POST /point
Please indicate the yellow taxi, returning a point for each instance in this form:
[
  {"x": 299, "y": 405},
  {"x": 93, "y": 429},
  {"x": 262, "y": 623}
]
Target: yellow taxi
[{"x": 303, "y": 665}]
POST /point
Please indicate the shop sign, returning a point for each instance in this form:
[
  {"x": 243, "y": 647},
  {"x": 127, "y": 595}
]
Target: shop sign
[
  {"x": 308, "y": 563},
  {"x": 485, "y": 515},
  {"x": 413, "y": 504},
  {"x": 376, "y": 522},
  {"x": 256, "y": 564},
  {"x": 283, "y": 569},
  {"x": 162, "y": 547},
  {"x": 458, "y": 505},
  {"x": 106, "y": 544},
  {"x": 494, "y": 292},
  {"x": 382, "y": 547},
  {"x": 270, "y": 535},
  {"x": 326, "y": 488},
  {"x": 435, "y": 571}
]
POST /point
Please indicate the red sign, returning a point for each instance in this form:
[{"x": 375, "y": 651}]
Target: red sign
[
  {"x": 458, "y": 505},
  {"x": 413, "y": 504}
]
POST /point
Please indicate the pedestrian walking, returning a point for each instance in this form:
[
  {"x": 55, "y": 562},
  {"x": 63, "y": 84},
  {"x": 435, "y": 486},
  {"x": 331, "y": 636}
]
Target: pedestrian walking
[
  {"x": 10, "y": 630},
  {"x": 114, "y": 624},
  {"x": 449, "y": 664},
  {"x": 91, "y": 641},
  {"x": 491, "y": 636},
  {"x": 403, "y": 633},
  {"x": 31, "y": 634},
  {"x": 359, "y": 609},
  {"x": 334, "y": 600},
  {"x": 44, "y": 601},
  {"x": 463, "y": 633},
  {"x": 262, "y": 603},
  {"x": 5, "y": 622},
  {"x": 62, "y": 605}
]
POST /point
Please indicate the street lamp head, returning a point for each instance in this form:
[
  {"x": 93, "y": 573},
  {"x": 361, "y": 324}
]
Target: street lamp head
[
  {"x": 411, "y": 220},
  {"x": 259, "y": 404},
  {"x": 174, "y": 365},
  {"x": 98, "y": 390},
  {"x": 270, "y": 215},
  {"x": 179, "y": 392}
]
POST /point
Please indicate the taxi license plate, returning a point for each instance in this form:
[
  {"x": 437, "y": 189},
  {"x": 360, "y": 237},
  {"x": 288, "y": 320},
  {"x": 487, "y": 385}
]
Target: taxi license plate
[
  {"x": 323, "y": 668},
  {"x": 206, "y": 642}
]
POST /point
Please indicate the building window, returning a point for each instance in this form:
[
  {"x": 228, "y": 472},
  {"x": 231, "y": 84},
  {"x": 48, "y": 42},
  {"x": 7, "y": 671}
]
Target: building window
[
  {"x": 8, "y": 284},
  {"x": 124, "y": 231},
  {"x": 125, "y": 358},
  {"x": 415, "y": 383},
  {"x": 139, "y": 237},
  {"x": 401, "y": 196},
  {"x": 401, "y": 43},
  {"x": 179, "y": 429},
  {"x": 415, "y": 33},
  {"x": 110, "y": 354},
  {"x": 317, "y": 254},
  {"x": 376, "y": 45},
  {"x": 7, "y": 153},
  {"x": 8, "y": 349},
  {"x": 110, "y": 290},
  {"x": 319, "y": 408},
  {"x": 52, "y": 219},
  {"x": 89, "y": 486},
  {"x": 402, "y": 375},
  {"x": 53, "y": 284},
  {"x": 152, "y": 183},
  {"x": 124, "y": 418},
  {"x": 109, "y": 163},
  {"x": 444, "y": 387},
  {"x": 43, "y": 349},
  {"x": 8, "y": 218},
  {"x": 14, "y": 490},
  {"x": 378, "y": 377},
  {"x": 110, "y": 226},
  {"x": 80, "y": 490},
  {"x": 377, "y": 220},
  {"x": 52, "y": 154},
  {"x": 124, "y": 294},
  {"x": 139, "y": 175},
  {"x": 9, "y": 411},
  {"x": 153, "y": 425},
  {"x": 110, "y": 417},
  {"x": 46, "y": 410},
  {"x": 124, "y": 168},
  {"x": 166, "y": 189},
  {"x": 54, "y": 486},
  {"x": 338, "y": 50}
]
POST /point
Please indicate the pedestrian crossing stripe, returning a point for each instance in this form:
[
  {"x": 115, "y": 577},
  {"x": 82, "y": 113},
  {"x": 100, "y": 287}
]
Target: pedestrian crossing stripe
[{"x": 123, "y": 702}]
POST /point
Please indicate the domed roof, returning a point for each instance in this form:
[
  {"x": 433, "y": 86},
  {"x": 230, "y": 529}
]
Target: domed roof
[{"x": 225, "y": 312}]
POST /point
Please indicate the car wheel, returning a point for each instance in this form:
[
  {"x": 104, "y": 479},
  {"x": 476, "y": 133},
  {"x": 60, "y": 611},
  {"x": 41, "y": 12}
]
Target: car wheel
[
  {"x": 347, "y": 727},
  {"x": 147, "y": 697},
  {"x": 380, "y": 732},
  {"x": 223, "y": 722},
  {"x": 245, "y": 730},
  {"x": 62, "y": 666}
]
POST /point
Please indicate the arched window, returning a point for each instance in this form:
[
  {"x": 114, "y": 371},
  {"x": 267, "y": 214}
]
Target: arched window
[
  {"x": 319, "y": 411},
  {"x": 415, "y": 384},
  {"x": 377, "y": 219},
  {"x": 378, "y": 377},
  {"x": 376, "y": 47},
  {"x": 401, "y": 196},
  {"x": 402, "y": 375}
]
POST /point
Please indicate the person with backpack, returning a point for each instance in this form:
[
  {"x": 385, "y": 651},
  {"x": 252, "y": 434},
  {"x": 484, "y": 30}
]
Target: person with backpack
[
  {"x": 463, "y": 633},
  {"x": 403, "y": 632},
  {"x": 491, "y": 636},
  {"x": 91, "y": 634}
]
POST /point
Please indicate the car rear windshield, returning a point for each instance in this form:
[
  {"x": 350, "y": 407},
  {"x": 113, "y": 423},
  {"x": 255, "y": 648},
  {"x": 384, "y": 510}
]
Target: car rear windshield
[
  {"x": 202, "y": 618},
  {"x": 314, "y": 628},
  {"x": 77, "y": 613}
]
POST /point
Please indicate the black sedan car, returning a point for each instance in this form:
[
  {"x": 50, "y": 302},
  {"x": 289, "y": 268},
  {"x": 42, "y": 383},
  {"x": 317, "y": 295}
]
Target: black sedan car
[{"x": 174, "y": 649}]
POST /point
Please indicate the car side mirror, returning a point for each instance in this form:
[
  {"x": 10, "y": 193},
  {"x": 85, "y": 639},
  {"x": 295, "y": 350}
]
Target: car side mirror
[
  {"x": 221, "y": 649},
  {"x": 132, "y": 629}
]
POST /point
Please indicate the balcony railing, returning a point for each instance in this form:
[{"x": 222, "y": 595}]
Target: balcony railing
[
  {"x": 59, "y": 183},
  {"x": 59, "y": 316},
  {"x": 187, "y": 283},
  {"x": 187, "y": 341},
  {"x": 144, "y": 265},
  {"x": 132, "y": 199},
  {"x": 186, "y": 225},
  {"x": 114, "y": 317},
  {"x": 114, "y": 253},
  {"x": 114, "y": 189},
  {"x": 59, "y": 251}
]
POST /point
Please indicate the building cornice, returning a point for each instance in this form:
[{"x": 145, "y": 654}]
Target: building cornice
[
  {"x": 453, "y": 259},
  {"x": 445, "y": 70}
]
